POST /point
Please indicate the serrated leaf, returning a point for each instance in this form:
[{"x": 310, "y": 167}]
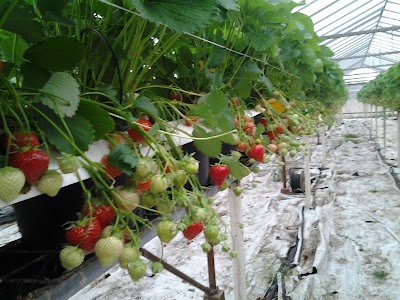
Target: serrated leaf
[
  {"x": 56, "y": 53},
  {"x": 12, "y": 47},
  {"x": 266, "y": 82},
  {"x": 234, "y": 167},
  {"x": 229, "y": 4},
  {"x": 179, "y": 15},
  {"x": 81, "y": 130},
  {"x": 261, "y": 41},
  {"x": 260, "y": 129},
  {"x": 98, "y": 117},
  {"x": 35, "y": 77},
  {"x": 21, "y": 21},
  {"x": 123, "y": 157},
  {"x": 216, "y": 57},
  {"x": 211, "y": 147},
  {"x": 61, "y": 93},
  {"x": 215, "y": 101},
  {"x": 145, "y": 104},
  {"x": 243, "y": 88}
]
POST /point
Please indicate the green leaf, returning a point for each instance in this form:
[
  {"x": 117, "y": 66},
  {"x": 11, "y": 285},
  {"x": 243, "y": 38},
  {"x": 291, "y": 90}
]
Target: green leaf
[
  {"x": 266, "y": 82},
  {"x": 123, "y": 157},
  {"x": 243, "y": 88},
  {"x": 215, "y": 101},
  {"x": 61, "y": 93},
  {"x": 21, "y": 21},
  {"x": 235, "y": 168},
  {"x": 12, "y": 47},
  {"x": 145, "y": 104},
  {"x": 98, "y": 117},
  {"x": 229, "y": 4},
  {"x": 54, "y": 7},
  {"x": 260, "y": 129},
  {"x": 216, "y": 57},
  {"x": 78, "y": 129},
  {"x": 261, "y": 41},
  {"x": 179, "y": 15},
  {"x": 35, "y": 77},
  {"x": 56, "y": 53},
  {"x": 210, "y": 147}
]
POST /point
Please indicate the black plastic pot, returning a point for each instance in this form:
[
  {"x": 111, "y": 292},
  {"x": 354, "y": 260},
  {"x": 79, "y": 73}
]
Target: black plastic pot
[{"x": 42, "y": 219}]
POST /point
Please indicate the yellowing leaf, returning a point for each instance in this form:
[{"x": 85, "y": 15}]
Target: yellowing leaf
[{"x": 277, "y": 105}]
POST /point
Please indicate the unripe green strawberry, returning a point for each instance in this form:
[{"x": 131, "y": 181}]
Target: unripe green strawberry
[
  {"x": 149, "y": 200},
  {"x": 158, "y": 184},
  {"x": 199, "y": 214},
  {"x": 50, "y": 183},
  {"x": 192, "y": 167},
  {"x": 129, "y": 254},
  {"x": 165, "y": 206},
  {"x": 145, "y": 168},
  {"x": 157, "y": 267},
  {"x": 12, "y": 180},
  {"x": 180, "y": 178},
  {"x": 137, "y": 269},
  {"x": 68, "y": 163},
  {"x": 206, "y": 247},
  {"x": 108, "y": 250},
  {"x": 211, "y": 233},
  {"x": 71, "y": 257},
  {"x": 238, "y": 191},
  {"x": 126, "y": 199},
  {"x": 166, "y": 231}
]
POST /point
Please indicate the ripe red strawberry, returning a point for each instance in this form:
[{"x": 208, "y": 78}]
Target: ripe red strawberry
[
  {"x": 1, "y": 66},
  {"x": 104, "y": 213},
  {"x": 19, "y": 140},
  {"x": 235, "y": 101},
  {"x": 264, "y": 122},
  {"x": 137, "y": 135},
  {"x": 84, "y": 234},
  {"x": 190, "y": 120},
  {"x": 193, "y": 230},
  {"x": 249, "y": 128},
  {"x": 175, "y": 96},
  {"x": 110, "y": 169},
  {"x": 219, "y": 173},
  {"x": 271, "y": 136},
  {"x": 280, "y": 130},
  {"x": 143, "y": 186},
  {"x": 257, "y": 152},
  {"x": 33, "y": 163}
]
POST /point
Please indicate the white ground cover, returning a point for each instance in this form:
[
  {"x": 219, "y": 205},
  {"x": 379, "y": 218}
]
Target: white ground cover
[{"x": 351, "y": 235}]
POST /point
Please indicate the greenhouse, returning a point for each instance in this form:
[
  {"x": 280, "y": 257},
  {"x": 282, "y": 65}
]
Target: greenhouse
[{"x": 199, "y": 149}]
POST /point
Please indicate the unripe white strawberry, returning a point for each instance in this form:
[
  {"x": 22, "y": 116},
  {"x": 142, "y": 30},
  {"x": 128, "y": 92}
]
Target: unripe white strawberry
[
  {"x": 126, "y": 199},
  {"x": 68, "y": 163},
  {"x": 12, "y": 180},
  {"x": 158, "y": 184},
  {"x": 50, "y": 183},
  {"x": 129, "y": 254},
  {"x": 71, "y": 257},
  {"x": 166, "y": 231},
  {"x": 137, "y": 269},
  {"x": 108, "y": 250}
]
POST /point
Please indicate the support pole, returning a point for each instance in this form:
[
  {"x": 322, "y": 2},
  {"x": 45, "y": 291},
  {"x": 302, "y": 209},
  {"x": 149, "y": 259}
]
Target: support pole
[
  {"x": 307, "y": 179},
  {"x": 239, "y": 271},
  {"x": 324, "y": 148},
  {"x": 376, "y": 123},
  {"x": 398, "y": 138},
  {"x": 384, "y": 128},
  {"x": 211, "y": 269},
  {"x": 284, "y": 189}
]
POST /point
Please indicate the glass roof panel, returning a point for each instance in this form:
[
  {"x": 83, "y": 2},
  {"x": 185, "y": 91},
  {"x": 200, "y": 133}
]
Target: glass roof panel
[{"x": 372, "y": 40}]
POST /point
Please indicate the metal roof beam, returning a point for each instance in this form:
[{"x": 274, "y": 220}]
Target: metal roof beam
[
  {"x": 340, "y": 35},
  {"x": 366, "y": 55},
  {"x": 367, "y": 67}
]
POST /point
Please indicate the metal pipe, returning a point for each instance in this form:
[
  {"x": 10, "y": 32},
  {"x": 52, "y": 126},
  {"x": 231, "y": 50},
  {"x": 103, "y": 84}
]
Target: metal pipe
[
  {"x": 211, "y": 269},
  {"x": 175, "y": 271}
]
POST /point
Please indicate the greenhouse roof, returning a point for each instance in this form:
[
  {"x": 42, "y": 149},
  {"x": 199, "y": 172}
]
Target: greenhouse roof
[{"x": 363, "y": 34}]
